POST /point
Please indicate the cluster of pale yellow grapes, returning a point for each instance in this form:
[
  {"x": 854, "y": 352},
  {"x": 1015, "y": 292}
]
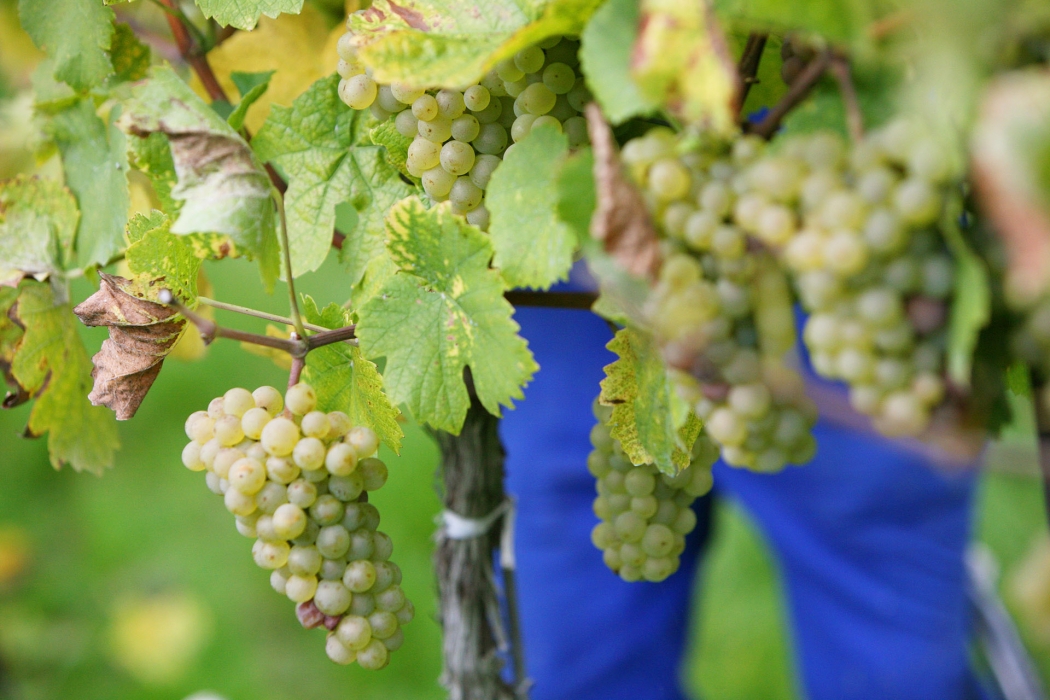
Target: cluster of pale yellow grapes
[
  {"x": 645, "y": 515},
  {"x": 460, "y": 136},
  {"x": 717, "y": 308},
  {"x": 297, "y": 480},
  {"x": 856, "y": 227}
]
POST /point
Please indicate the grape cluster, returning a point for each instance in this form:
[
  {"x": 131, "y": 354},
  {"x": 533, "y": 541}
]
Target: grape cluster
[
  {"x": 645, "y": 515},
  {"x": 870, "y": 263},
  {"x": 297, "y": 480},
  {"x": 721, "y": 308},
  {"x": 459, "y": 137}
]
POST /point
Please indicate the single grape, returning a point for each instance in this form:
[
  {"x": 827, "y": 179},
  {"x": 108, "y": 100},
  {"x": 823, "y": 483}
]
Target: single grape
[
  {"x": 358, "y": 92},
  {"x": 457, "y": 158}
]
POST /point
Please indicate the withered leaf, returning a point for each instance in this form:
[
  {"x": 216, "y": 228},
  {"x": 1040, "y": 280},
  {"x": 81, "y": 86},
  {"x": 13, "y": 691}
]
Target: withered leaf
[
  {"x": 620, "y": 221},
  {"x": 1009, "y": 138},
  {"x": 141, "y": 334}
]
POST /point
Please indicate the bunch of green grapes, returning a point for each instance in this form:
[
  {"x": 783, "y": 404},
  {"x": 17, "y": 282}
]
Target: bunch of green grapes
[
  {"x": 723, "y": 326},
  {"x": 459, "y": 137},
  {"x": 645, "y": 515},
  {"x": 870, "y": 263},
  {"x": 297, "y": 480}
]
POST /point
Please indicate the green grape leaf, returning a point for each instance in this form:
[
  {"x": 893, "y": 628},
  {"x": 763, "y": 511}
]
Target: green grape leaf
[
  {"x": 396, "y": 145},
  {"x": 10, "y": 332},
  {"x": 244, "y": 14},
  {"x": 605, "y": 57},
  {"x": 76, "y": 34},
  {"x": 94, "y": 158},
  {"x": 152, "y": 156},
  {"x": 38, "y": 222},
  {"x": 577, "y": 198},
  {"x": 161, "y": 260},
  {"x": 223, "y": 187},
  {"x": 971, "y": 308},
  {"x": 251, "y": 86},
  {"x": 50, "y": 95},
  {"x": 435, "y": 42},
  {"x": 652, "y": 422},
  {"x": 313, "y": 143},
  {"x": 345, "y": 381},
  {"x": 130, "y": 57},
  {"x": 533, "y": 246},
  {"x": 836, "y": 20},
  {"x": 681, "y": 59},
  {"x": 52, "y": 366},
  {"x": 442, "y": 312}
]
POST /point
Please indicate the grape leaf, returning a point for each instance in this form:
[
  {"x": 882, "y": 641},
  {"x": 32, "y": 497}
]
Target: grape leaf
[
  {"x": 52, "y": 366},
  {"x": 435, "y": 42},
  {"x": 223, "y": 186},
  {"x": 141, "y": 334},
  {"x": 10, "y": 334},
  {"x": 161, "y": 260},
  {"x": 252, "y": 86},
  {"x": 533, "y": 246},
  {"x": 396, "y": 145},
  {"x": 244, "y": 14},
  {"x": 94, "y": 158},
  {"x": 1011, "y": 157},
  {"x": 682, "y": 59},
  {"x": 152, "y": 156},
  {"x": 313, "y": 142},
  {"x": 621, "y": 220},
  {"x": 300, "y": 48},
  {"x": 836, "y": 20},
  {"x": 576, "y": 195},
  {"x": 442, "y": 312},
  {"x": 971, "y": 307},
  {"x": 605, "y": 57},
  {"x": 130, "y": 57},
  {"x": 652, "y": 422},
  {"x": 345, "y": 381},
  {"x": 38, "y": 221},
  {"x": 76, "y": 34}
]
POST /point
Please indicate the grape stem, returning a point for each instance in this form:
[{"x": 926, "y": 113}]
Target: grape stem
[
  {"x": 296, "y": 346},
  {"x": 795, "y": 94},
  {"x": 748, "y": 66},
  {"x": 257, "y": 314},
  {"x": 840, "y": 70},
  {"x": 297, "y": 319},
  {"x": 295, "y": 371}
]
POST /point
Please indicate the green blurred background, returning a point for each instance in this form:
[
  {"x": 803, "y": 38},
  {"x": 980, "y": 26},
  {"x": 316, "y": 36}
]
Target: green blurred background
[{"x": 136, "y": 585}]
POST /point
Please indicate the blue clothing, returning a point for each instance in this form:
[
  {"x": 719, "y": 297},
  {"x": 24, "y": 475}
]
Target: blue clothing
[{"x": 870, "y": 542}]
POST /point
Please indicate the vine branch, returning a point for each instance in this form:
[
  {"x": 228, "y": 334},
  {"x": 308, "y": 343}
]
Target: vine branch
[
  {"x": 840, "y": 70},
  {"x": 193, "y": 55},
  {"x": 747, "y": 69},
  {"x": 559, "y": 300},
  {"x": 795, "y": 94},
  {"x": 296, "y": 346}
]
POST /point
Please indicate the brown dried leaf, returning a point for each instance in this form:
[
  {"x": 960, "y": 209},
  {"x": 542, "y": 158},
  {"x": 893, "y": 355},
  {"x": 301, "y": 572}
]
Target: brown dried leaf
[
  {"x": 621, "y": 220},
  {"x": 1015, "y": 112},
  {"x": 141, "y": 334}
]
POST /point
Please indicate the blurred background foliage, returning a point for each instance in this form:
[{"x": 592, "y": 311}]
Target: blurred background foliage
[{"x": 136, "y": 585}]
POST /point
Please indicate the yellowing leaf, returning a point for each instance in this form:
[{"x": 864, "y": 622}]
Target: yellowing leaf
[
  {"x": 651, "y": 421},
  {"x": 52, "y": 366},
  {"x": 301, "y": 48},
  {"x": 435, "y": 42},
  {"x": 681, "y": 59}
]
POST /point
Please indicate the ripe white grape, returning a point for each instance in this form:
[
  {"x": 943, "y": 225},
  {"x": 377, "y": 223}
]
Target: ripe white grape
[
  {"x": 305, "y": 523},
  {"x": 450, "y": 103},
  {"x": 437, "y": 182},
  {"x": 465, "y": 195},
  {"x": 465, "y": 128},
  {"x": 476, "y": 98},
  {"x": 425, "y": 108},
  {"x": 457, "y": 158},
  {"x": 280, "y": 436},
  {"x": 406, "y": 94},
  {"x": 341, "y": 459},
  {"x": 437, "y": 130},
  {"x": 191, "y": 457},
  {"x": 358, "y": 92},
  {"x": 337, "y": 652}
]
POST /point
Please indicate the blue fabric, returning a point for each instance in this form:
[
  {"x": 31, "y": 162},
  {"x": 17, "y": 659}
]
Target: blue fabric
[{"x": 869, "y": 539}]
